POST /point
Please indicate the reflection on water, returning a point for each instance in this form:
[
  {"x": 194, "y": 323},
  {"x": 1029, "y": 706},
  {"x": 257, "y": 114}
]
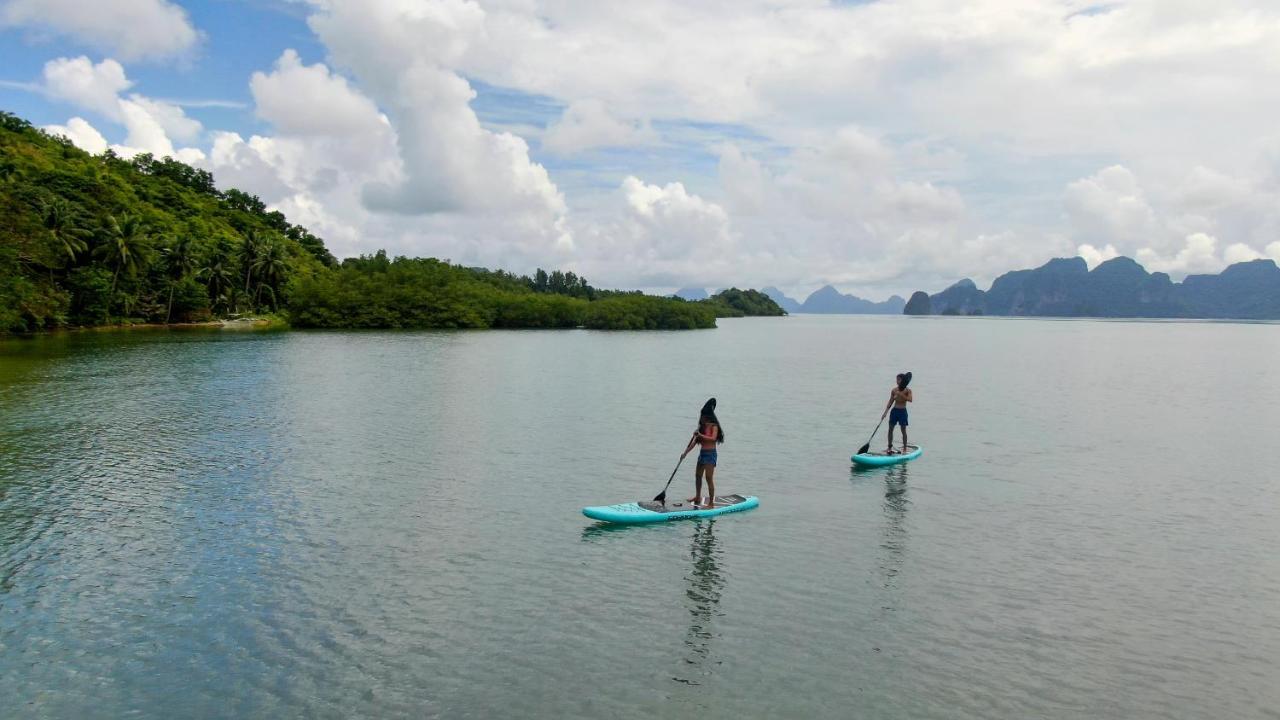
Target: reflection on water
[
  {"x": 893, "y": 541},
  {"x": 894, "y": 544},
  {"x": 706, "y": 582},
  {"x": 602, "y": 530}
]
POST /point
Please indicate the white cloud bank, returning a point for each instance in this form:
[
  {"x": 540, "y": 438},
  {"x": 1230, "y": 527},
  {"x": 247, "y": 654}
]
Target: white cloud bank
[
  {"x": 127, "y": 29},
  {"x": 151, "y": 125},
  {"x": 1111, "y": 214},
  {"x": 588, "y": 124}
]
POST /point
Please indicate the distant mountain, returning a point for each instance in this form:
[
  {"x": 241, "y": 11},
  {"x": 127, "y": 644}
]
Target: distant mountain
[
  {"x": 828, "y": 300},
  {"x": 963, "y": 298},
  {"x": 919, "y": 304},
  {"x": 692, "y": 293},
  {"x": 791, "y": 305},
  {"x": 1120, "y": 287}
]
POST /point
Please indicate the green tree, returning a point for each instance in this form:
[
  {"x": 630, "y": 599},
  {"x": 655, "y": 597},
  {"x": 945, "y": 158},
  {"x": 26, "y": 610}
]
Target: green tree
[
  {"x": 179, "y": 261},
  {"x": 219, "y": 277},
  {"x": 67, "y": 234},
  {"x": 249, "y": 251},
  {"x": 270, "y": 266},
  {"x": 125, "y": 245}
]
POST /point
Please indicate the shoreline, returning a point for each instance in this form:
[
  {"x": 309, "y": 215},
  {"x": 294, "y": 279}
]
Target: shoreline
[{"x": 254, "y": 323}]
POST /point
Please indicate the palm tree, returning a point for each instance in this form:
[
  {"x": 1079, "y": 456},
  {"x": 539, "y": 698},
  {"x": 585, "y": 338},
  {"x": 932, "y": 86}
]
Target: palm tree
[
  {"x": 253, "y": 242},
  {"x": 125, "y": 245},
  {"x": 270, "y": 266},
  {"x": 219, "y": 277},
  {"x": 179, "y": 261},
  {"x": 60, "y": 221}
]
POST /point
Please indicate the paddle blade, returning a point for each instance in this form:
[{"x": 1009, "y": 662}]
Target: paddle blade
[
  {"x": 863, "y": 449},
  {"x": 661, "y": 498}
]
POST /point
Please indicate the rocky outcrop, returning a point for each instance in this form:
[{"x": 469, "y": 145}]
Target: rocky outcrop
[
  {"x": 963, "y": 298},
  {"x": 919, "y": 304}
]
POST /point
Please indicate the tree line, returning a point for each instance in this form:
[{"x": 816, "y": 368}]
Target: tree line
[{"x": 374, "y": 291}]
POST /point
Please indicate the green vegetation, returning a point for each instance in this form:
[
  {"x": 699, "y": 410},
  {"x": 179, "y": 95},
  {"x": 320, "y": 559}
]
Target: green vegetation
[
  {"x": 95, "y": 240},
  {"x": 739, "y": 303},
  {"x": 98, "y": 240},
  {"x": 377, "y": 292}
]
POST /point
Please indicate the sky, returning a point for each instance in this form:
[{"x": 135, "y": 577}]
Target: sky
[{"x": 882, "y": 147}]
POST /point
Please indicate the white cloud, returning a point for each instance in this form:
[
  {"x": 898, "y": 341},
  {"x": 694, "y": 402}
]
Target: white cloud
[
  {"x": 1093, "y": 256},
  {"x": 1110, "y": 207},
  {"x": 330, "y": 140},
  {"x": 658, "y": 235},
  {"x": 150, "y": 125},
  {"x": 588, "y": 124},
  {"x": 405, "y": 57},
  {"x": 129, "y": 29},
  {"x": 838, "y": 210},
  {"x": 1177, "y": 229},
  {"x": 1199, "y": 254},
  {"x": 81, "y": 134},
  {"x": 79, "y": 81},
  {"x": 169, "y": 117},
  {"x": 309, "y": 100},
  {"x": 1239, "y": 252},
  {"x": 1205, "y": 189}
]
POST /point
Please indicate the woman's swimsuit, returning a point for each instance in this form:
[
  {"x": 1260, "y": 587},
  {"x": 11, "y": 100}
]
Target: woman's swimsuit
[{"x": 707, "y": 455}]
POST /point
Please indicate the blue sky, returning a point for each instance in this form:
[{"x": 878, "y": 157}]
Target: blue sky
[{"x": 880, "y": 146}]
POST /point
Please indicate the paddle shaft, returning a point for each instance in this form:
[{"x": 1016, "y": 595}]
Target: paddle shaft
[
  {"x": 867, "y": 447},
  {"x": 662, "y": 496}
]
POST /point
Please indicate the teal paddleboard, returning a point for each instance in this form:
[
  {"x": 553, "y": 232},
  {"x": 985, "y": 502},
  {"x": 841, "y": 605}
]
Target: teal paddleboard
[
  {"x": 650, "y": 512},
  {"x": 880, "y": 458}
]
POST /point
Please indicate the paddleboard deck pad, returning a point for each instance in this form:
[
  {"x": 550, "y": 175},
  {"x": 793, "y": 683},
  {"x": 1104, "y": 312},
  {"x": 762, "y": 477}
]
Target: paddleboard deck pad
[
  {"x": 650, "y": 512},
  {"x": 880, "y": 458}
]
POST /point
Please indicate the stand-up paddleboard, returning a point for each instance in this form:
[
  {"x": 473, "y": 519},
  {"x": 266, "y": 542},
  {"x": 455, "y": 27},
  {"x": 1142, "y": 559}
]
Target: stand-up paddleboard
[
  {"x": 650, "y": 512},
  {"x": 880, "y": 458}
]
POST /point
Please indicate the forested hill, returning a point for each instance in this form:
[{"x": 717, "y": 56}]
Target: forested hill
[
  {"x": 90, "y": 240},
  {"x": 95, "y": 240}
]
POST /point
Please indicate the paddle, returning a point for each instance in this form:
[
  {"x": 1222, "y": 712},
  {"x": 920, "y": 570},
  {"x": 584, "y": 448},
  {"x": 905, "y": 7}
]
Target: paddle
[
  {"x": 884, "y": 414},
  {"x": 867, "y": 447},
  {"x": 662, "y": 496}
]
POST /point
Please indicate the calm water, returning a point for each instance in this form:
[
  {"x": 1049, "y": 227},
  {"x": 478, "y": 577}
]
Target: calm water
[{"x": 387, "y": 524}]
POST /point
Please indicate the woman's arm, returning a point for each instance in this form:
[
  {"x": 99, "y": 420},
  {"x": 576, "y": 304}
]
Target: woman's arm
[
  {"x": 908, "y": 395},
  {"x": 692, "y": 441}
]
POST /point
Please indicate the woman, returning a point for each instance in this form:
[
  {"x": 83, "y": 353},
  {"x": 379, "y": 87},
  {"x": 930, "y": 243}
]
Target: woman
[
  {"x": 708, "y": 434},
  {"x": 899, "y": 396}
]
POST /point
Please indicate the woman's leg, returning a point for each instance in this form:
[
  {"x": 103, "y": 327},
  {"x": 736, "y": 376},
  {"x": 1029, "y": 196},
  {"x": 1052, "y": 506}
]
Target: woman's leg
[
  {"x": 697, "y": 484},
  {"x": 891, "y": 435},
  {"x": 711, "y": 486},
  {"x": 904, "y": 437}
]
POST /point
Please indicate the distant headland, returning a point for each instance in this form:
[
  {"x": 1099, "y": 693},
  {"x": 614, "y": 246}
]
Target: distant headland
[{"x": 1120, "y": 287}]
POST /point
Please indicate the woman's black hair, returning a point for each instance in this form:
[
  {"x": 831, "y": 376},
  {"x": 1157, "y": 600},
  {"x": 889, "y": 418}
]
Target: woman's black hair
[
  {"x": 904, "y": 379},
  {"x": 708, "y": 414}
]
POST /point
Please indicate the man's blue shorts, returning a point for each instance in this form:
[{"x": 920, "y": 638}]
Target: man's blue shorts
[
  {"x": 898, "y": 416},
  {"x": 707, "y": 457}
]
